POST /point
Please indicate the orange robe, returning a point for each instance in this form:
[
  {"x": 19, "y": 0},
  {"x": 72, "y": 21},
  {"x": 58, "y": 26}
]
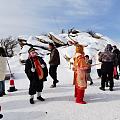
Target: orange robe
[{"x": 80, "y": 67}]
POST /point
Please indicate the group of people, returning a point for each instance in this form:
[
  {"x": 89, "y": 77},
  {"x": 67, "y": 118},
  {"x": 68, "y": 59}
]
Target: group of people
[
  {"x": 109, "y": 61},
  {"x": 37, "y": 71}
]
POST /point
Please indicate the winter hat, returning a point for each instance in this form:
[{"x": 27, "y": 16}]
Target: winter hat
[
  {"x": 79, "y": 49},
  {"x": 108, "y": 47},
  {"x": 51, "y": 44},
  {"x": 115, "y": 47},
  {"x": 31, "y": 49}
]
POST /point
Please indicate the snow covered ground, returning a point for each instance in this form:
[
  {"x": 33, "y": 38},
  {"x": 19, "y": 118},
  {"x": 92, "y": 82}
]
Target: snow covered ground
[{"x": 60, "y": 103}]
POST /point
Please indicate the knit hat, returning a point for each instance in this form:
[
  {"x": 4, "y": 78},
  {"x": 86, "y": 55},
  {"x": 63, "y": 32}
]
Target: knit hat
[
  {"x": 79, "y": 49},
  {"x": 51, "y": 44},
  {"x": 108, "y": 47},
  {"x": 31, "y": 49}
]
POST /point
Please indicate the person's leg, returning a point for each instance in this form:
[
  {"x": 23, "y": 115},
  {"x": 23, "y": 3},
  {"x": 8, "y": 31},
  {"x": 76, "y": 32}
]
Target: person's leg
[
  {"x": 32, "y": 99},
  {"x": 110, "y": 78},
  {"x": 53, "y": 74},
  {"x": 1, "y": 89},
  {"x": 90, "y": 79},
  {"x": 32, "y": 91},
  {"x": 107, "y": 82},
  {"x": 80, "y": 96},
  {"x": 39, "y": 89},
  {"x": 104, "y": 71},
  {"x": 1, "y": 116},
  {"x": 103, "y": 80},
  {"x": 99, "y": 72}
]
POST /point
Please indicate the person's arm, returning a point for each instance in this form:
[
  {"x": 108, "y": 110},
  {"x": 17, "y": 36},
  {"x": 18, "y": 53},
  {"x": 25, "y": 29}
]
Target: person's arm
[
  {"x": 115, "y": 60},
  {"x": 28, "y": 69},
  {"x": 42, "y": 62}
]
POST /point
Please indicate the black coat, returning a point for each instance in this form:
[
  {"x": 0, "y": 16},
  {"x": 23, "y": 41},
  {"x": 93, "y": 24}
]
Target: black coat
[{"x": 33, "y": 75}]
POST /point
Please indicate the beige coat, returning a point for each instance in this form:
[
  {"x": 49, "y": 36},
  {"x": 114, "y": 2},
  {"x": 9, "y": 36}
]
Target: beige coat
[{"x": 3, "y": 65}]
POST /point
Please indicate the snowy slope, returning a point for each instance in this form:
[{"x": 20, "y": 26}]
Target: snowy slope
[{"x": 60, "y": 103}]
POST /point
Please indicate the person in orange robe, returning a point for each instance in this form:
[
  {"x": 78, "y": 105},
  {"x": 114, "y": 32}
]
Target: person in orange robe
[{"x": 80, "y": 67}]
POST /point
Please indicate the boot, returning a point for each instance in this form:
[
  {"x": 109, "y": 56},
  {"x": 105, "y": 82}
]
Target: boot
[
  {"x": 40, "y": 98},
  {"x": 57, "y": 81},
  {"x": 80, "y": 96},
  {"x": 91, "y": 83},
  {"x": 101, "y": 88},
  {"x": 53, "y": 86},
  {"x": 111, "y": 89},
  {"x": 31, "y": 101},
  {"x": 1, "y": 116}
]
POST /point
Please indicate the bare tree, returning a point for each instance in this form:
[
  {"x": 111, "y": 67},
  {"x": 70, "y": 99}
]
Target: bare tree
[
  {"x": 63, "y": 31},
  {"x": 9, "y": 44},
  {"x": 93, "y": 34}
]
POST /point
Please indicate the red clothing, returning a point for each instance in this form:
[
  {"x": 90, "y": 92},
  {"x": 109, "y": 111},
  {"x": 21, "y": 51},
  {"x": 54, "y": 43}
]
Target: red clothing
[
  {"x": 80, "y": 67},
  {"x": 80, "y": 79}
]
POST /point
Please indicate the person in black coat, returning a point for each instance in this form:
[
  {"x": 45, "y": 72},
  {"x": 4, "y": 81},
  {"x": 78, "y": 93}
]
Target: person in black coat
[
  {"x": 117, "y": 53},
  {"x": 108, "y": 60},
  {"x": 36, "y": 84},
  {"x": 54, "y": 62}
]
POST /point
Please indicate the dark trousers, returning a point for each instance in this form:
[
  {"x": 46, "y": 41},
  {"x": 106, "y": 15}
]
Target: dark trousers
[
  {"x": 53, "y": 73},
  {"x": 119, "y": 67},
  {"x": 107, "y": 74},
  {"x": 2, "y": 87},
  {"x": 99, "y": 72},
  {"x": 35, "y": 86}
]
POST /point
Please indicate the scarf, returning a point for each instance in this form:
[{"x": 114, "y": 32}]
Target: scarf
[{"x": 38, "y": 68}]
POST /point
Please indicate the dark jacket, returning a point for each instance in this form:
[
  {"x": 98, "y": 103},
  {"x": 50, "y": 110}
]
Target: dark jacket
[
  {"x": 117, "y": 53},
  {"x": 33, "y": 75},
  {"x": 107, "y": 55},
  {"x": 54, "y": 57},
  {"x": 119, "y": 59}
]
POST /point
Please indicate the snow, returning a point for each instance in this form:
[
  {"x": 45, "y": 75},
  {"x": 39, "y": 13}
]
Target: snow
[
  {"x": 60, "y": 102},
  {"x": 33, "y": 40},
  {"x": 45, "y": 38}
]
